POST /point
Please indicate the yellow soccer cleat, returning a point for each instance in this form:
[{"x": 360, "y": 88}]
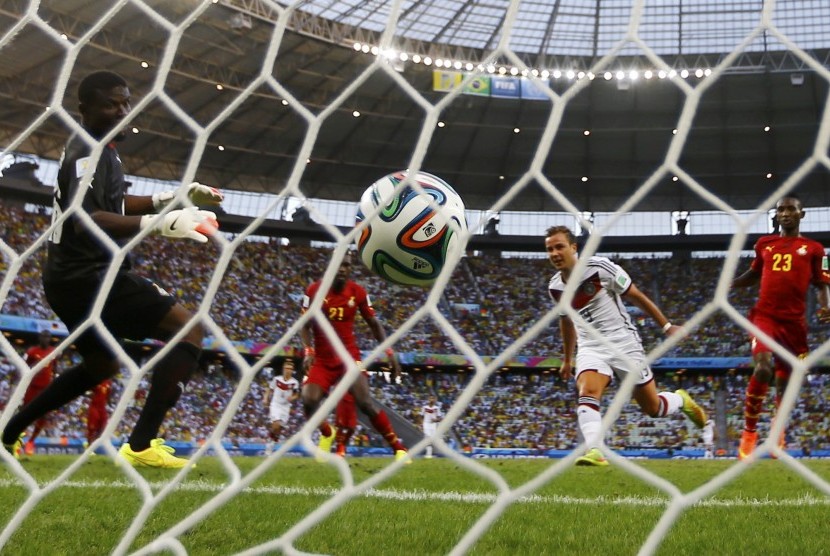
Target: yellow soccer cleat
[
  {"x": 324, "y": 446},
  {"x": 693, "y": 411},
  {"x": 157, "y": 455},
  {"x": 159, "y": 443},
  {"x": 592, "y": 457},
  {"x": 16, "y": 448},
  {"x": 403, "y": 455}
]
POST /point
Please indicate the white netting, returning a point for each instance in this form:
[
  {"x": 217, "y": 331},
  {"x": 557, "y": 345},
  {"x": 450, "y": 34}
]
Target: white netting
[{"x": 629, "y": 42}]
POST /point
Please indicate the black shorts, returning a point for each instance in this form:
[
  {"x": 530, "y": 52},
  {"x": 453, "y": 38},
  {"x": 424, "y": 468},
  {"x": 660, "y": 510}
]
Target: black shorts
[{"x": 133, "y": 309}]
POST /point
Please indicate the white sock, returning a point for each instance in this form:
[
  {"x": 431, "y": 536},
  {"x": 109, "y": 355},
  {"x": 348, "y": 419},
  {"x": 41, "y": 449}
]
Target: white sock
[
  {"x": 669, "y": 403},
  {"x": 429, "y": 451},
  {"x": 590, "y": 421}
]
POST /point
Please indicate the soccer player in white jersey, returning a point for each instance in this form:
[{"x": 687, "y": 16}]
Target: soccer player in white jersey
[
  {"x": 283, "y": 390},
  {"x": 431, "y": 413},
  {"x": 599, "y": 296},
  {"x": 709, "y": 440}
]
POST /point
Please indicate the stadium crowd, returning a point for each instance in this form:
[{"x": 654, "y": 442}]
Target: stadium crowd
[{"x": 490, "y": 301}]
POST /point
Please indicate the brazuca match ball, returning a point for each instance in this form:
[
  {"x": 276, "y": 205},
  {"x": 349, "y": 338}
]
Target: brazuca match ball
[{"x": 408, "y": 241}]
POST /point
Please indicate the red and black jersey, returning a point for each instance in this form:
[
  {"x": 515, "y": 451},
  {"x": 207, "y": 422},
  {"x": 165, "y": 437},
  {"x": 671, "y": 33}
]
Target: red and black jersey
[
  {"x": 33, "y": 356},
  {"x": 100, "y": 396},
  {"x": 340, "y": 308}
]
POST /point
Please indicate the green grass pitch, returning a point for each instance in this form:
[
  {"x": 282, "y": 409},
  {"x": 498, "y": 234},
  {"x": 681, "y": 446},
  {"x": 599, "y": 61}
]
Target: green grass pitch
[{"x": 427, "y": 508}]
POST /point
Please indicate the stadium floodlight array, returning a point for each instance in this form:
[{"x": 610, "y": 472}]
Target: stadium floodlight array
[{"x": 172, "y": 538}]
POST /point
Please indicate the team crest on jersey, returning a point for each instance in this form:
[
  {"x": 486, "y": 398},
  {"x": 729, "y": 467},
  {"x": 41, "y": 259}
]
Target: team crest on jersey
[
  {"x": 351, "y": 301},
  {"x": 589, "y": 288},
  {"x": 80, "y": 166},
  {"x": 802, "y": 250}
]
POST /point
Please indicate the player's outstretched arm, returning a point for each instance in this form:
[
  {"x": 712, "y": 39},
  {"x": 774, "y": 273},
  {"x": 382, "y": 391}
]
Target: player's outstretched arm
[
  {"x": 644, "y": 302},
  {"x": 307, "y": 337},
  {"x": 823, "y": 312},
  {"x": 748, "y": 278},
  {"x": 380, "y": 335},
  {"x": 566, "y": 327}
]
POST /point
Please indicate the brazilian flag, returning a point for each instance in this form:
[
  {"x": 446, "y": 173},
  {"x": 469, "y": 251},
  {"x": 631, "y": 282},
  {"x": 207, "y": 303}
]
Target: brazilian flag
[{"x": 479, "y": 86}]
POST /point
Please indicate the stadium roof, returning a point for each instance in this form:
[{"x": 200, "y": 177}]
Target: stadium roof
[{"x": 486, "y": 143}]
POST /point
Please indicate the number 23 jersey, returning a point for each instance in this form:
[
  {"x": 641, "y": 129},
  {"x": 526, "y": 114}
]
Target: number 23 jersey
[
  {"x": 598, "y": 301},
  {"x": 787, "y": 266}
]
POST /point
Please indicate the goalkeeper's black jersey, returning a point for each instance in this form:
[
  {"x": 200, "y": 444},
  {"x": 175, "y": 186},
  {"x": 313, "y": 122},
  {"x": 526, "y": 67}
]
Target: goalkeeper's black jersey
[{"x": 74, "y": 251}]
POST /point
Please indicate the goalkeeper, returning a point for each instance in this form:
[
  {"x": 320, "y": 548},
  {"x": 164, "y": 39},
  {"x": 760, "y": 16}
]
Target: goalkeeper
[{"x": 135, "y": 308}]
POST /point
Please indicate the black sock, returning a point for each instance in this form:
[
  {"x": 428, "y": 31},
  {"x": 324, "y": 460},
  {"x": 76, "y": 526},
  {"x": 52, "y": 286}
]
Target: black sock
[
  {"x": 169, "y": 380},
  {"x": 66, "y": 387}
]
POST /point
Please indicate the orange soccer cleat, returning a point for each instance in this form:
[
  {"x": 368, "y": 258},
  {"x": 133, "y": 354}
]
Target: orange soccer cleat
[{"x": 747, "y": 446}]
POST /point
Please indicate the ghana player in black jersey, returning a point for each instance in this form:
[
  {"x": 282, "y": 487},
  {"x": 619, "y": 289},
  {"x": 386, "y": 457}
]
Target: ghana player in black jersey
[{"x": 79, "y": 258}]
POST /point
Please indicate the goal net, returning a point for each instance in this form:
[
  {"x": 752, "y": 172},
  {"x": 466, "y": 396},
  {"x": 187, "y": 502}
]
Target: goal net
[{"x": 433, "y": 79}]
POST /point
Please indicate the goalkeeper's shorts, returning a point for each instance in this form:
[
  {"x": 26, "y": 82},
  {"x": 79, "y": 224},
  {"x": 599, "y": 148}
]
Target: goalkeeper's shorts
[{"x": 133, "y": 309}]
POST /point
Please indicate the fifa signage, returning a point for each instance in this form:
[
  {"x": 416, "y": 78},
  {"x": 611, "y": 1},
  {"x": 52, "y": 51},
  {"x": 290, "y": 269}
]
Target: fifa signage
[{"x": 495, "y": 86}]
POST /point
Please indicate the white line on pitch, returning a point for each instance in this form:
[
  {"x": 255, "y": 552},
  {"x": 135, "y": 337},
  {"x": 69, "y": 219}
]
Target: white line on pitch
[{"x": 465, "y": 497}]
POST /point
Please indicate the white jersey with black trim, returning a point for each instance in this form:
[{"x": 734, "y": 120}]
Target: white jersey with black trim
[
  {"x": 432, "y": 414},
  {"x": 283, "y": 390},
  {"x": 598, "y": 301}
]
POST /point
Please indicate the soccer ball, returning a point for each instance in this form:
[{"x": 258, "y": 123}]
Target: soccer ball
[{"x": 408, "y": 240}]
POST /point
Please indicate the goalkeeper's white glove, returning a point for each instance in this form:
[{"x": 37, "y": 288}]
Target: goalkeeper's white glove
[
  {"x": 190, "y": 223},
  {"x": 197, "y": 193}
]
